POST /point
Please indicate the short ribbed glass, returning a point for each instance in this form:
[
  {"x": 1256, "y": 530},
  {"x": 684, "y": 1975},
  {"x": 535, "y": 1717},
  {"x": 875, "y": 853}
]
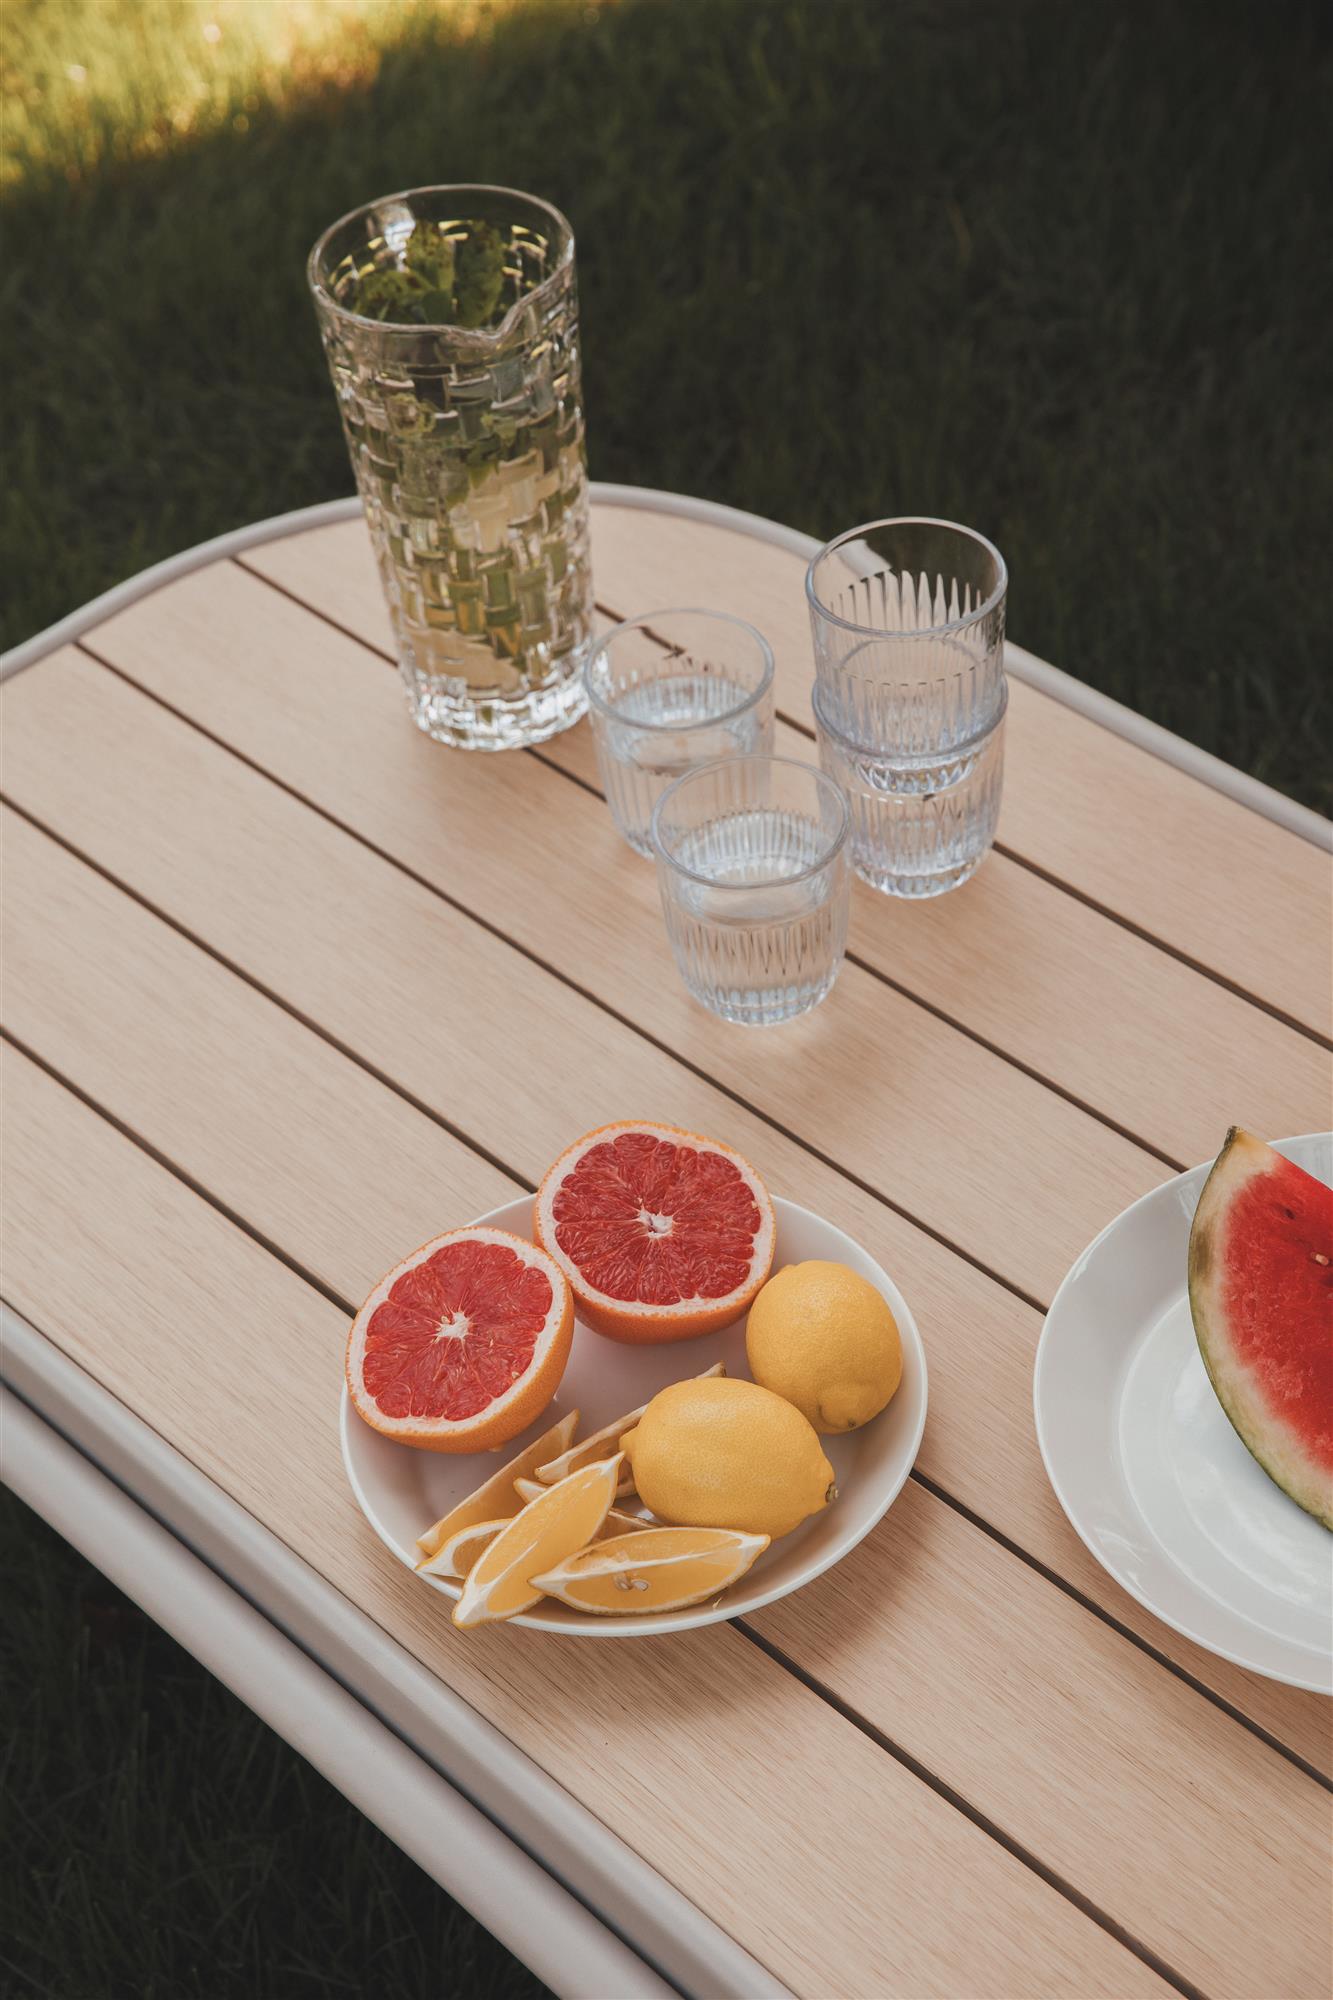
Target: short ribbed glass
[
  {"x": 752, "y": 869},
  {"x": 919, "y": 825},
  {"x": 908, "y": 625},
  {"x": 467, "y": 444},
  {"x": 667, "y": 692}
]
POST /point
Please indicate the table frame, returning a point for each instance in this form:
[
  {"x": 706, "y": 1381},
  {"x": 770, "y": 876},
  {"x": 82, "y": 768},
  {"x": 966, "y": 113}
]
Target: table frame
[{"x": 540, "y": 1871}]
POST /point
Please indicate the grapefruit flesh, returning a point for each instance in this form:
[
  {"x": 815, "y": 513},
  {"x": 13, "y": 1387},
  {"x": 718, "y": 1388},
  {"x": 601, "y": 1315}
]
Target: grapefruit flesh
[
  {"x": 463, "y": 1344},
  {"x": 662, "y": 1234},
  {"x": 1261, "y": 1296}
]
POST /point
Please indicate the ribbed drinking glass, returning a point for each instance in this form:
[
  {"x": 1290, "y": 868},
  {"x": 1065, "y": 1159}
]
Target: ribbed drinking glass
[
  {"x": 920, "y": 825},
  {"x": 668, "y": 691},
  {"x": 908, "y": 625},
  {"x": 752, "y": 869}
]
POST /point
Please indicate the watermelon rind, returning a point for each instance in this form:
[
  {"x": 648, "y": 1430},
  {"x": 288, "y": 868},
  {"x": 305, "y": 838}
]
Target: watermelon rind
[{"x": 1287, "y": 1465}]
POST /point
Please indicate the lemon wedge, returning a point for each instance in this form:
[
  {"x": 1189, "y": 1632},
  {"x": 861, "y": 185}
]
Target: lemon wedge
[
  {"x": 496, "y": 1500},
  {"x": 560, "y": 1521},
  {"x": 616, "y": 1523},
  {"x": 455, "y": 1557},
  {"x": 656, "y": 1569}
]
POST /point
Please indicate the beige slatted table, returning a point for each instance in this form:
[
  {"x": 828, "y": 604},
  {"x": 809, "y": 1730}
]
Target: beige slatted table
[{"x": 288, "y": 987}]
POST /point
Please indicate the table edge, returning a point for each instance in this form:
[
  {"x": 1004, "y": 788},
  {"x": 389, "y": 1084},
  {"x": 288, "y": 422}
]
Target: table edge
[
  {"x": 1089, "y": 702},
  {"x": 544, "y": 1824}
]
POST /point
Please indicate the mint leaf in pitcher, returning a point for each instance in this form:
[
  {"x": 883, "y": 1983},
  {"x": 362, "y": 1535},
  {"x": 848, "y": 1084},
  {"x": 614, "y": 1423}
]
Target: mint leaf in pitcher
[
  {"x": 480, "y": 274},
  {"x": 440, "y": 282}
]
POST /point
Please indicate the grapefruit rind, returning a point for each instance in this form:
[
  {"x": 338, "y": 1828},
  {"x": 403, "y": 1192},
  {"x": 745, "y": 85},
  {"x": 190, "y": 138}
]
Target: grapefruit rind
[
  {"x": 631, "y": 1320},
  {"x": 1269, "y": 1441},
  {"x": 520, "y": 1405}
]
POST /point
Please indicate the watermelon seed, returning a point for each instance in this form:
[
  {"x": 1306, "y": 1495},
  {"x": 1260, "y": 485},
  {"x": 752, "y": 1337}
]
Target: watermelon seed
[{"x": 1320, "y": 1258}]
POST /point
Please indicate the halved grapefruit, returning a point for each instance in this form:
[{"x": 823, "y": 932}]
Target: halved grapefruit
[
  {"x": 1261, "y": 1295},
  {"x": 661, "y": 1234},
  {"x": 463, "y": 1344}
]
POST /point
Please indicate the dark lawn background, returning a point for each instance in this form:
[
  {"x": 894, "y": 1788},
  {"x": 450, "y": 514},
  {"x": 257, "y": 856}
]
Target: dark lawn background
[
  {"x": 159, "y": 1843},
  {"x": 1059, "y": 270}
]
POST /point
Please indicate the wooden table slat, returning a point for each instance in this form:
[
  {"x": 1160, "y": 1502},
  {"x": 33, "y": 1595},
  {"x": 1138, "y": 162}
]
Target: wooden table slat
[{"x": 697, "y": 1749}]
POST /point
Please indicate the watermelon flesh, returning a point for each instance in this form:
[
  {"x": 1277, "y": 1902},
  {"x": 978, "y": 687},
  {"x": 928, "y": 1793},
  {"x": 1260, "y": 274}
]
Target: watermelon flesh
[{"x": 1261, "y": 1296}]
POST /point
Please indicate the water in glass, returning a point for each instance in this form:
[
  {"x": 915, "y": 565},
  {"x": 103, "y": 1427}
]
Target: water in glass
[
  {"x": 919, "y": 825},
  {"x": 668, "y": 692},
  {"x": 755, "y": 900}
]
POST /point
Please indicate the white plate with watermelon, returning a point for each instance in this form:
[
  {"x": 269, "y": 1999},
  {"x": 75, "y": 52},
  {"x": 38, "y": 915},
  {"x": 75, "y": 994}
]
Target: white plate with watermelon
[{"x": 1142, "y": 1454}]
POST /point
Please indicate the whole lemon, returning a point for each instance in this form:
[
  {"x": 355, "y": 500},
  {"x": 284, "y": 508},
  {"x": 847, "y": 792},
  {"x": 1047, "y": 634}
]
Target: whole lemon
[
  {"x": 717, "y": 1453},
  {"x": 823, "y": 1337}
]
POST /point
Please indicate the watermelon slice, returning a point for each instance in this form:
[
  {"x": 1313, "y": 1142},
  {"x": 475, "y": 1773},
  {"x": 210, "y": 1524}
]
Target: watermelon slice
[{"x": 1261, "y": 1295}]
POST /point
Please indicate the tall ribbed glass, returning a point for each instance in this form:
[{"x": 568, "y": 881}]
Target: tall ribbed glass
[
  {"x": 908, "y": 624},
  {"x": 467, "y": 444}
]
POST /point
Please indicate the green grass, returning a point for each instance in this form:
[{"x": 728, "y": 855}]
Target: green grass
[
  {"x": 1058, "y": 271},
  {"x": 159, "y": 1843}
]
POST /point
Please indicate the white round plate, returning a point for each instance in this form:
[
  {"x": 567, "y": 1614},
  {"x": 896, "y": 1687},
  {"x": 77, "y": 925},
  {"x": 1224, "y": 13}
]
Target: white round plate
[
  {"x": 1146, "y": 1465},
  {"x": 402, "y": 1491}
]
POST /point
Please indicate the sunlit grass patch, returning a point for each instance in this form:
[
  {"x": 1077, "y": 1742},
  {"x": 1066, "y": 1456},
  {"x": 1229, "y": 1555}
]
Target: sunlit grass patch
[{"x": 90, "y": 81}]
